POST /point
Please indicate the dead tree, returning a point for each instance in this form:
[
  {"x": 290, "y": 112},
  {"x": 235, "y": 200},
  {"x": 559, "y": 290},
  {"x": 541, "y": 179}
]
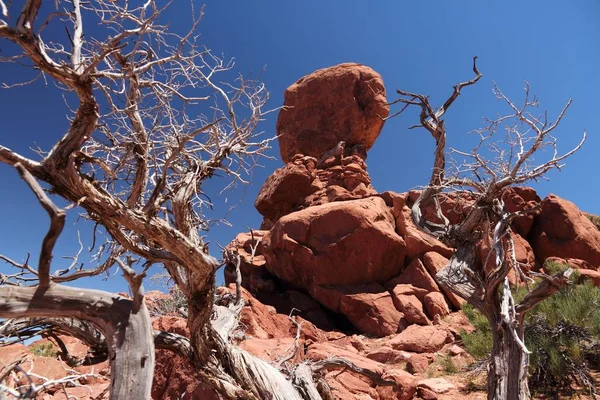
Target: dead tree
[
  {"x": 481, "y": 182},
  {"x": 152, "y": 120}
]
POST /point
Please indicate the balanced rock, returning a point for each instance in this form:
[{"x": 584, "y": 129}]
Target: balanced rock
[{"x": 345, "y": 102}]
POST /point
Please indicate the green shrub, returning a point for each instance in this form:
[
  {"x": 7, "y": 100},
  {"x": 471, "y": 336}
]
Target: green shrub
[
  {"x": 44, "y": 350},
  {"x": 478, "y": 343},
  {"x": 448, "y": 365},
  {"x": 562, "y": 332},
  {"x": 595, "y": 219},
  {"x": 172, "y": 304}
]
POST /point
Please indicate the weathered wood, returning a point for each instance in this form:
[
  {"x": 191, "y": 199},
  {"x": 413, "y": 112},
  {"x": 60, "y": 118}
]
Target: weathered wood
[
  {"x": 460, "y": 276},
  {"x": 487, "y": 220},
  {"x": 128, "y": 334},
  {"x": 507, "y": 370},
  {"x": 57, "y": 223}
]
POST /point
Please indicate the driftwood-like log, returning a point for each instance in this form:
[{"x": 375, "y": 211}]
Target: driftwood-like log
[{"x": 128, "y": 334}]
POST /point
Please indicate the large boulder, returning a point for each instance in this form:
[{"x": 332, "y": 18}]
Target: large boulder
[
  {"x": 415, "y": 274},
  {"x": 421, "y": 339},
  {"x": 406, "y": 385},
  {"x": 324, "y": 350},
  {"x": 387, "y": 355},
  {"x": 373, "y": 313},
  {"x": 518, "y": 198},
  {"x": 436, "y": 385},
  {"x": 417, "y": 241},
  {"x": 411, "y": 307},
  {"x": 287, "y": 188},
  {"x": 562, "y": 230},
  {"x": 435, "y": 304},
  {"x": 344, "y": 102},
  {"x": 342, "y": 243}
]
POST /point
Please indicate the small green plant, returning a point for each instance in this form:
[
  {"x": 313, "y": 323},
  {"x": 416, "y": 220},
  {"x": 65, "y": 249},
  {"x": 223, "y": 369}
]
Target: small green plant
[
  {"x": 432, "y": 371},
  {"x": 478, "y": 343},
  {"x": 44, "y": 350},
  {"x": 448, "y": 365},
  {"x": 173, "y": 304}
]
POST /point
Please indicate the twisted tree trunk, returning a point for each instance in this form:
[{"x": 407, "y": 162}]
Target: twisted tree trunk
[
  {"x": 507, "y": 370},
  {"x": 127, "y": 328}
]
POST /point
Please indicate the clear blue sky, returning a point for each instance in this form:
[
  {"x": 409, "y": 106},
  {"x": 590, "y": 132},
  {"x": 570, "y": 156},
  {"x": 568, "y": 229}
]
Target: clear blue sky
[{"x": 424, "y": 47}]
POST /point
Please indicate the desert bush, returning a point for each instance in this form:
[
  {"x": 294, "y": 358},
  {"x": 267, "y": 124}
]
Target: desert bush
[
  {"x": 44, "y": 350},
  {"x": 595, "y": 219},
  {"x": 448, "y": 364},
  {"x": 478, "y": 343},
  {"x": 562, "y": 332},
  {"x": 175, "y": 304}
]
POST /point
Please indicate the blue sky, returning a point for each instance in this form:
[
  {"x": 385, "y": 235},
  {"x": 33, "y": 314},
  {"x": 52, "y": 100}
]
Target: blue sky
[{"x": 423, "y": 47}]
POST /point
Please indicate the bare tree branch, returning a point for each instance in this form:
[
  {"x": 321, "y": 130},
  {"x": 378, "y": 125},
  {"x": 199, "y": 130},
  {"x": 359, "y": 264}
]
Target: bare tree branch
[
  {"x": 57, "y": 222},
  {"x": 487, "y": 221}
]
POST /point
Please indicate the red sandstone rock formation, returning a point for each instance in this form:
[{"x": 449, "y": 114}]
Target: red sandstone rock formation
[
  {"x": 562, "y": 230},
  {"x": 332, "y": 238},
  {"x": 340, "y": 243},
  {"x": 349, "y": 259},
  {"x": 344, "y": 102}
]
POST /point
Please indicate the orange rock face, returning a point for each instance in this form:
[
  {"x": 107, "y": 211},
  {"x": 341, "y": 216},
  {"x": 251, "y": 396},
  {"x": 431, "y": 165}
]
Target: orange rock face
[
  {"x": 519, "y": 199},
  {"x": 340, "y": 243},
  {"x": 434, "y": 263},
  {"x": 286, "y": 189},
  {"x": 436, "y": 305},
  {"x": 415, "y": 274},
  {"x": 421, "y": 339},
  {"x": 373, "y": 313},
  {"x": 411, "y": 307},
  {"x": 562, "y": 230},
  {"x": 344, "y": 102},
  {"x": 254, "y": 273},
  {"x": 418, "y": 242}
]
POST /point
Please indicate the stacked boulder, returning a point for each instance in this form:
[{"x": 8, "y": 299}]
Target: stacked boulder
[
  {"x": 349, "y": 259},
  {"x": 352, "y": 260},
  {"x": 330, "y": 245},
  {"x": 329, "y": 242}
]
